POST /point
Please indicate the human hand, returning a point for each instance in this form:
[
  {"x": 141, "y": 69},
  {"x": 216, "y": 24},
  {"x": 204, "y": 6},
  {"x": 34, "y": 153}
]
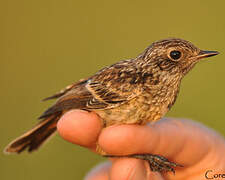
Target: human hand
[{"x": 197, "y": 148}]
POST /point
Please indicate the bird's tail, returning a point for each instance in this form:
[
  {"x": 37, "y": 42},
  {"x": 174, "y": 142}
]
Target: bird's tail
[{"x": 35, "y": 137}]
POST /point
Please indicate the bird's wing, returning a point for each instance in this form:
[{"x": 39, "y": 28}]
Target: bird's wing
[
  {"x": 87, "y": 96},
  {"x": 108, "y": 88}
]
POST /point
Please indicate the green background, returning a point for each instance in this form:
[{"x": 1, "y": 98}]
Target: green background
[{"x": 48, "y": 44}]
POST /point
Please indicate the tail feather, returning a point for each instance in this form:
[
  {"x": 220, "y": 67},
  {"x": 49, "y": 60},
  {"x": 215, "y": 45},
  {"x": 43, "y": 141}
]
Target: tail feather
[{"x": 35, "y": 137}]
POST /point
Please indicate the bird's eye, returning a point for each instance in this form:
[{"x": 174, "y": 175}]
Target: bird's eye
[{"x": 175, "y": 55}]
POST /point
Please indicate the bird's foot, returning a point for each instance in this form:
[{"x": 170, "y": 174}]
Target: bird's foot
[{"x": 156, "y": 162}]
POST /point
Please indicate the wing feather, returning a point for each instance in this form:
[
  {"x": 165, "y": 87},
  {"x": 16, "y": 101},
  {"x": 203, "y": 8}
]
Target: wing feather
[{"x": 109, "y": 88}]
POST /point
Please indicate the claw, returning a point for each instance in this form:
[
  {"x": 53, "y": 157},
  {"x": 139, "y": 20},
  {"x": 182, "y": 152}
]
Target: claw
[{"x": 156, "y": 162}]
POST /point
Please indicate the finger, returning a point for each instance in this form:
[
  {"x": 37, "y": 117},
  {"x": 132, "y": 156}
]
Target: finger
[
  {"x": 100, "y": 172},
  {"x": 80, "y": 127},
  {"x": 128, "y": 168},
  {"x": 124, "y": 169},
  {"x": 169, "y": 137}
]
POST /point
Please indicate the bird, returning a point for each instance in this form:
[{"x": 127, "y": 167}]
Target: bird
[{"x": 134, "y": 91}]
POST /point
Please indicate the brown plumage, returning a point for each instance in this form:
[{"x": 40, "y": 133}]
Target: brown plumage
[{"x": 134, "y": 91}]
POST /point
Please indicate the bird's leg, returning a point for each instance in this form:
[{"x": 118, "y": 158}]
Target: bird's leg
[
  {"x": 156, "y": 162},
  {"x": 98, "y": 149}
]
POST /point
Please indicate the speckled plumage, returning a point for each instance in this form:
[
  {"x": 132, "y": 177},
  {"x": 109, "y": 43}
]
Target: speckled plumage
[{"x": 134, "y": 91}]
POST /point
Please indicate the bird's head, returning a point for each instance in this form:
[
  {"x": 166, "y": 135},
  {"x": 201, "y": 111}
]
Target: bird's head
[{"x": 174, "y": 55}]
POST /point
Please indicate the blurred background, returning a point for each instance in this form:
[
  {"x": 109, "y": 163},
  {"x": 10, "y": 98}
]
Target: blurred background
[{"x": 46, "y": 45}]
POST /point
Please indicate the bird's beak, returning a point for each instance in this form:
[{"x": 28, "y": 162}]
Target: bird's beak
[{"x": 204, "y": 54}]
